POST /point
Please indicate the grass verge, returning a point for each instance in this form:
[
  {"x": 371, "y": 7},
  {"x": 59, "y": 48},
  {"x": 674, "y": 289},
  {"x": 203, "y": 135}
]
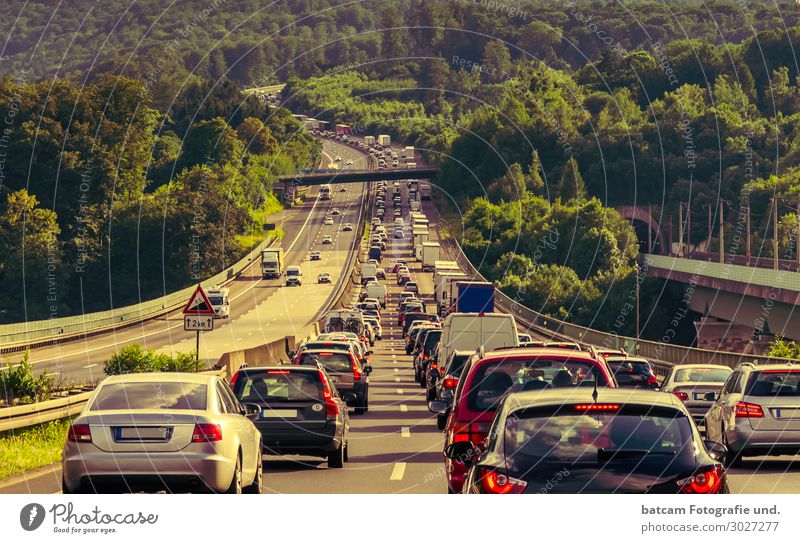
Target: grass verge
[
  {"x": 256, "y": 233},
  {"x": 31, "y": 448}
]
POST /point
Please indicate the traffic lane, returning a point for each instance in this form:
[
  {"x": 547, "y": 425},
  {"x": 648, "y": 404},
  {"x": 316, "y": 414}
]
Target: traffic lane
[
  {"x": 766, "y": 475},
  {"x": 286, "y": 311}
]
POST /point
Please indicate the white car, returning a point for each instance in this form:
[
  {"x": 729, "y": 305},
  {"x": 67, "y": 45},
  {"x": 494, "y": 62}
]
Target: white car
[
  {"x": 348, "y": 163},
  {"x": 338, "y": 159},
  {"x": 324, "y": 277},
  {"x": 327, "y": 240},
  {"x": 163, "y": 431},
  {"x": 315, "y": 255},
  {"x": 328, "y": 221},
  {"x": 347, "y": 227}
]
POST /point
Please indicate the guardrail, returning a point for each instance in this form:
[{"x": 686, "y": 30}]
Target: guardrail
[{"x": 662, "y": 355}]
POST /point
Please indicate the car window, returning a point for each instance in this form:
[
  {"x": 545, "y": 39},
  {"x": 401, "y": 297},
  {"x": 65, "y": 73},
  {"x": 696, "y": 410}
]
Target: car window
[
  {"x": 278, "y": 386},
  {"x": 225, "y": 402},
  {"x": 731, "y": 383},
  {"x": 457, "y": 363},
  {"x": 493, "y": 380},
  {"x": 701, "y": 375},
  {"x": 773, "y": 383},
  {"x": 155, "y": 396},
  {"x": 432, "y": 339},
  {"x": 332, "y": 361}
]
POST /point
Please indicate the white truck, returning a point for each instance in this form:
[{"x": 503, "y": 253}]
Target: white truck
[
  {"x": 377, "y": 291},
  {"x": 421, "y": 235},
  {"x": 412, "y": 165},
  {"x": 471, "y": 331},
  {"x": 271, "y": 263},
  {"x": 384, "y": 140},
  {"x": 220, "y": 301},
  {"x": 408, "y": 151},
  {"x": 369, "y": 140},
  {"x": 441, "y": 285},
  {"x": 430, "y": 254},
  {"x": 369, "y": 270}
]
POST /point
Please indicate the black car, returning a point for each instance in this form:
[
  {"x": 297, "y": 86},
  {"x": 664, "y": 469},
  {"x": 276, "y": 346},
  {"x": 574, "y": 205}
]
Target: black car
[
  {"x": 421, "y": 358},
  {"x": 632, "y": 371},
  {"x": 566, "y": 442},
  {"x": 375, "y": 252},
  {"x": 445, "y": 388},
  {"x": 301, "y": 411}
]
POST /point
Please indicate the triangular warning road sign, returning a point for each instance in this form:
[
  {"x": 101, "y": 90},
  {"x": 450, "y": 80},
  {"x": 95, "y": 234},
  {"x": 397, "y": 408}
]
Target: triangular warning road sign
[{"x": 198, "y": 304}]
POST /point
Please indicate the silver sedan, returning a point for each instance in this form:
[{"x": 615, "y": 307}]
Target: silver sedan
[{"x": 163, "y": 431}]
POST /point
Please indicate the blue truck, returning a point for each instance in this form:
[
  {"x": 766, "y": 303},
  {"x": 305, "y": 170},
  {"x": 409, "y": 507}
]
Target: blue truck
[{"x": 472, "y": 297}]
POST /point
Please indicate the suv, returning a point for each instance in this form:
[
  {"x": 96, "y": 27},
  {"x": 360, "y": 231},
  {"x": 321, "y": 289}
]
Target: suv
[
  {"x": 301, "y": 411},
  {"x": 345, "y": 371},
  {"x": 632, "y": 371},
  {"x": 755, "y": 412},
  {"x": 294, "y": 276},
  {"x": 486, "y": 379}
]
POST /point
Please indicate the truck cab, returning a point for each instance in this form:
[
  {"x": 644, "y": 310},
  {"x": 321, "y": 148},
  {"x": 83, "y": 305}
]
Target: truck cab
[{"x": 220, "y": 302}]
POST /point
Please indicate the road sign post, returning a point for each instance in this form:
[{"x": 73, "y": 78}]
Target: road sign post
[{"x": 198, "y": 315}]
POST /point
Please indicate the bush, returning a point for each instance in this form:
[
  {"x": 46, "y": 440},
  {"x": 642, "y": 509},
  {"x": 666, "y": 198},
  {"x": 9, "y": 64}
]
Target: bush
[
  {"x": 19, "y": 384},
  {"x": 134, "y": 359}
]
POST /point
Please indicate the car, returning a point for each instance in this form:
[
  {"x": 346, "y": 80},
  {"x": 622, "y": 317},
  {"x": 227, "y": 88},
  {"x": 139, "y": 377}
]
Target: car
[
  {"x": 411, "y": 334},
  {"x": 337, "y": 159},
  {"x": 446, "y": 386},
  {"x": 375, "y": 321},
  {"x": 301, "y": 411},
  {"x": 380, "y": 273},
  {"x": 486, "y": 378},
  {"x": 405, "y": 295},
  {"x": 624, "y": 442},
  {"x": 335, "y": 211},
  {"x": 347, "y": 227},
  {"x": 163, "y": 431},
  {"x": 410, "y": 317},
  {"x": 397, "y": 264},
  {"x": 632, "y": 371},
  {"x": 399, "y": 234},
  {"x": 692, "y": 383},
  {"x": 403, "y": 270},
  {"x": 327, "y": 240},
  {"x": 522, "y": 338},
  {"x": 411, "y": 286},
  {"x": 403, "y": 279},
  {"x": 315, "y": 255},
  {"x": 571, "y": 345},
  {"x": 380, "y": 229},
  {"x": 346, "y": 372},
  {"x": 369, "y": 304},
  {"x": 343, "y": 188},
  {"x": 348, "y": 163},
  {"x": 375, "y": 221},
  {"x": 328, "y": 221},
  {"x": 369, "y": 333},
  {"x": 294, "y": 276},
  {"x": 324, "y": 277},
  {"x": 754, "y": 412}
]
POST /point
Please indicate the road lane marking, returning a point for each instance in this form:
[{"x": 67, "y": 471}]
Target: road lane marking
[
  {"x": 403, "y": 408},
  {"x": 397, "y": 380},
  {"x": 399, "y": 390},
  {"x": 89, "y": 366},
  {"x": 398, "y": 471},
  {"x": 397, "y": 370},
  {"x": 405, "y": 431}
]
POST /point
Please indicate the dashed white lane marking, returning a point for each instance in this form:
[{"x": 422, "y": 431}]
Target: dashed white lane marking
[
  {"x": 396, "y": 379},
  {"x": 89, "y": 366},
  {"x": 398, "y": 471},
  {"x": 394, "y": 355},
  {"x": 403, "y": 408},
  {"x": 397, "y": 370},
  {"x": 399, "y": 390},
  {"x": 405, "y": 431}
]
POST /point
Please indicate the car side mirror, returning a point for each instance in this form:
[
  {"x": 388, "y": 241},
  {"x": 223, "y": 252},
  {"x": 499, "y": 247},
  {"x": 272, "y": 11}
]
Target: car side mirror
[
  {"x": 438, "y": 407},
  {"x": 718, "y": 451},
  {"x": 711, "y": 396},
  {"x": 461, "y": 451},
  {"x": 251, "y": 409}
]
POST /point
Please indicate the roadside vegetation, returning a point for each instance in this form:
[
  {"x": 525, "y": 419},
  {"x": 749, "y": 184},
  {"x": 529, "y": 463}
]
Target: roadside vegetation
[
  {"x": 134, "y": 359},
  {"x": 31, "y": 448},
  {"x": 18, "y": 384}
]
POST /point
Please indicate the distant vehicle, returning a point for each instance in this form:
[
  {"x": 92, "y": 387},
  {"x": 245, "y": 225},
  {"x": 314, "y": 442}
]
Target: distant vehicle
[
  {"x": 327, "y": 240},
  {"x": 430, "y": 254},
  {"x": 646, "y": 437},
  {"x": 349, "y": 163},
  {"x": 325, "y": 192},
  {"x": 337, "y": 159},
  {"x": 472, "y": 297},
  {"x": 342, "y": 189},
  {"x": 324, "y": 277},
  {"x": 692, "y": 384},
  {"x": 192, "y": 436},
  {"x": 294, "y": 276},
  {"x": 411, "y": 286},
  {"x": 384, "y": 140},
  {"x": 376, "y": 221},
  {"x": 220, "y": 301},
  {"x": 399, "y": 234},
  {"x": 346, "y": 373},
  {"x": 380, "y": 273},
  {"x": 335, "y": 211},
  {"x": 471, "y": 331},
  {"x": 328, "y": 221},
  {"x": 315, "y": 255},
  {"x": 522, "y": 338},
  {"x": 375, "y": 252},
  {"x": 347, "y": 227},
  {"x": 377, "y": 291},
  {"x": 632, "y": 372},
  {"x": 271, "y": 263}
]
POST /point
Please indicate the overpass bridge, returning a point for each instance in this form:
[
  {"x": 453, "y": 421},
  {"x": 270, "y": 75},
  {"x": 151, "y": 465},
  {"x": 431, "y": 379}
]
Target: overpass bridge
[{"x": 323, "y": 177}]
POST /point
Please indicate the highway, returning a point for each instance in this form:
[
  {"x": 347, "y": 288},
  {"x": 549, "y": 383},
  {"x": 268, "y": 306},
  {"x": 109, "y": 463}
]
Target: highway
[
  {"x": 261, "y": 310},
  {"x": 395, "y": 447}
]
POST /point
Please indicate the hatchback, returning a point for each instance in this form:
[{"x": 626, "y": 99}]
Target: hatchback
[
  {"x": 692, "y": 383},
  {"x": 345, "y": 372}
]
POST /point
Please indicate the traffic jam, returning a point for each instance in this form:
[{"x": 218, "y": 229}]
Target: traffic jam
[{"x": 517, "y": 412}]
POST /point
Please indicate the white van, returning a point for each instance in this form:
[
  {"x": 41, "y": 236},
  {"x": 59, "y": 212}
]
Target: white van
[
  {"x": 470, "y": 331},
  {"x": 399, "y": 222},
  {"x": 377, "y": 291},
  {"x": 294, "y": 276},
  {"x": 220, "y": 302}
]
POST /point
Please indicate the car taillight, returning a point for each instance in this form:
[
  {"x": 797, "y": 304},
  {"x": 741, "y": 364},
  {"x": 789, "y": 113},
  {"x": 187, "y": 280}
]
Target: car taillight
[
  {"x": 233, "y": 379},
  {"x": 206, "y": 433},
  {"x": 682, "y": 395},
  {"x": 597, "y": 407},
  {"x": 450, "y": 383},
  {"x": 79, "y": 433},
  {"x": 331, "y": 409},
  {"x": 497, "y": 482},
  {"x": 707, "y": 482},
  {"x": 356, "y": 371},
  {"x": 652, "y": 380},
  {"x": 433, "y": 364},
  {"x": 425, "y": 357},
  {"x": 475, "y": 432},
  {"x": 748, "y": 410}
]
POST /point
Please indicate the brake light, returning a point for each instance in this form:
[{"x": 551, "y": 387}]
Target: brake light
[
  {"x": 682, "y": 395},
  {"x": 425, "y": 357},
  {"x": 206, "y": 433},
  {"x": 475, "y": 432},
  {"x": 433, "y": 364},
  {"x": 79, "y": 433},
  {"x": 331, "y": 409},
  {"x": 356, "y": 371},
  {"x": 597, "y": 407},
  {"x": 233, "y": 379},
  {"x": 277, "y": 372},
  {"x": 707, "y": 482},
  {"x": 497, "y": 482},
  {"x": 450, "y": 383},
  {"x": 748, "y": 410}
]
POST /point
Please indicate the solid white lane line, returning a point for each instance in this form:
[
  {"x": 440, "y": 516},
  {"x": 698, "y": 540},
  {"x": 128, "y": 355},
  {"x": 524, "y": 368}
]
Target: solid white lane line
[
  {"x": 398, "y": 471},
  {"x": 403, "y": 408},
  {"x": 405, "y": 431}
]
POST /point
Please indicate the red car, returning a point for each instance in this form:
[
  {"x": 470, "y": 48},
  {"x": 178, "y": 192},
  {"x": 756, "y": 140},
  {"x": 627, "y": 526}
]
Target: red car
[
  {"x": 485, "y": 381},
  {"x": 403, "y": 279}
]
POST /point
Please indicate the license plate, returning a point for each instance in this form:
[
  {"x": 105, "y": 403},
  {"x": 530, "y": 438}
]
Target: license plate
[
  {"x": 700, "y": 396},
  {"x": 279, "y": 413},
  {"x": 786, "y": 413},
  {"x": 143, "y": 433}
]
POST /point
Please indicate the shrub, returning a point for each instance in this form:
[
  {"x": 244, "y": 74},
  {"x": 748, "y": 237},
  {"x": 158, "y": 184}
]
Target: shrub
[
  {"x": 19, "y": 384},
  {"x": 134, "y": 359}
]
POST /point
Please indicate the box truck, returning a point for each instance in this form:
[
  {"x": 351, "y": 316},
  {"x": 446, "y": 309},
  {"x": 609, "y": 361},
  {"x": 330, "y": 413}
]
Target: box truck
[
  {"x": 271, "y": 263},
  {"x": 471, "y": 331},
  {"x": 430, "y": 254},
  {"x": 369, "y": 140},
  {"x": 441, "y": 285},
  {"x": 384, "y": 140},
  {"x": 471, "y": 297}
]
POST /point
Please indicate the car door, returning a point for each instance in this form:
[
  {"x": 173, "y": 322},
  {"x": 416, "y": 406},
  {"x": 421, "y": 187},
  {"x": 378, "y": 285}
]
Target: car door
[
  {"x": 237, "y": 421},
  {"x": 715, "y": 415}
]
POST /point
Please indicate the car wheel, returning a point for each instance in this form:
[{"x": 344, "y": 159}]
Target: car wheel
[
  {"x": 336, "y": 458},
  {"x": 236, "y": 482},
  {"x": 64, "y": 488},
  {"x": 255, "y": 486},
  {"x": 734, "y": 458},
  {"x": 441, "y": 421},
  {"x": 346, "y": 451}
]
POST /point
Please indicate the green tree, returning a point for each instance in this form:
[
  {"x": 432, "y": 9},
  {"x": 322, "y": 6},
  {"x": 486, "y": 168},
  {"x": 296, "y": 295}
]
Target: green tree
[
  {"x": 571, "y": 185},
  {"x": 211, "y": 142},
  {"x": 256, "y": 137}
]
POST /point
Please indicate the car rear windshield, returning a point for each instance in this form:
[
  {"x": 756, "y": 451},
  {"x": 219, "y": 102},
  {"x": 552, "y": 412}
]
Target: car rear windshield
[
  {"x": 278, "y": 386},
  {"x": 457, "y": 364},
  {"x": 774, "y": 383},
  {"x": 563, "y": 434},
  {"x": 432, "y": 339},
  {"x": 332, "y": 361},
  {"x": 155, "y": 395},
  {"x": 494, "y": 379},
  {"x": 630, "y": 366},
  {"x": 702, "y": 375}
]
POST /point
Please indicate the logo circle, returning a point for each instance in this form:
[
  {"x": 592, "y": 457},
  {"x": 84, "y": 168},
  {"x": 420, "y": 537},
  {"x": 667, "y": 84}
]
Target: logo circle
[
  {"x": 31, "y": 516},
  {"x": 317, "y": 407}
]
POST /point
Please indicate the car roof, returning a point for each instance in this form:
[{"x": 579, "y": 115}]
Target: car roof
[
  {"x": 287, "y": 367},
  {"x": 334, "y": 349},
  {"x": 701, "y": 366},
  {"x": 160, "y": 377},
  {"x": 784, "y": 366},
  {"x": 623, "y": 358},
  {"x": 541, "y": 352},
  {"x": 557, "y": 396}
]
